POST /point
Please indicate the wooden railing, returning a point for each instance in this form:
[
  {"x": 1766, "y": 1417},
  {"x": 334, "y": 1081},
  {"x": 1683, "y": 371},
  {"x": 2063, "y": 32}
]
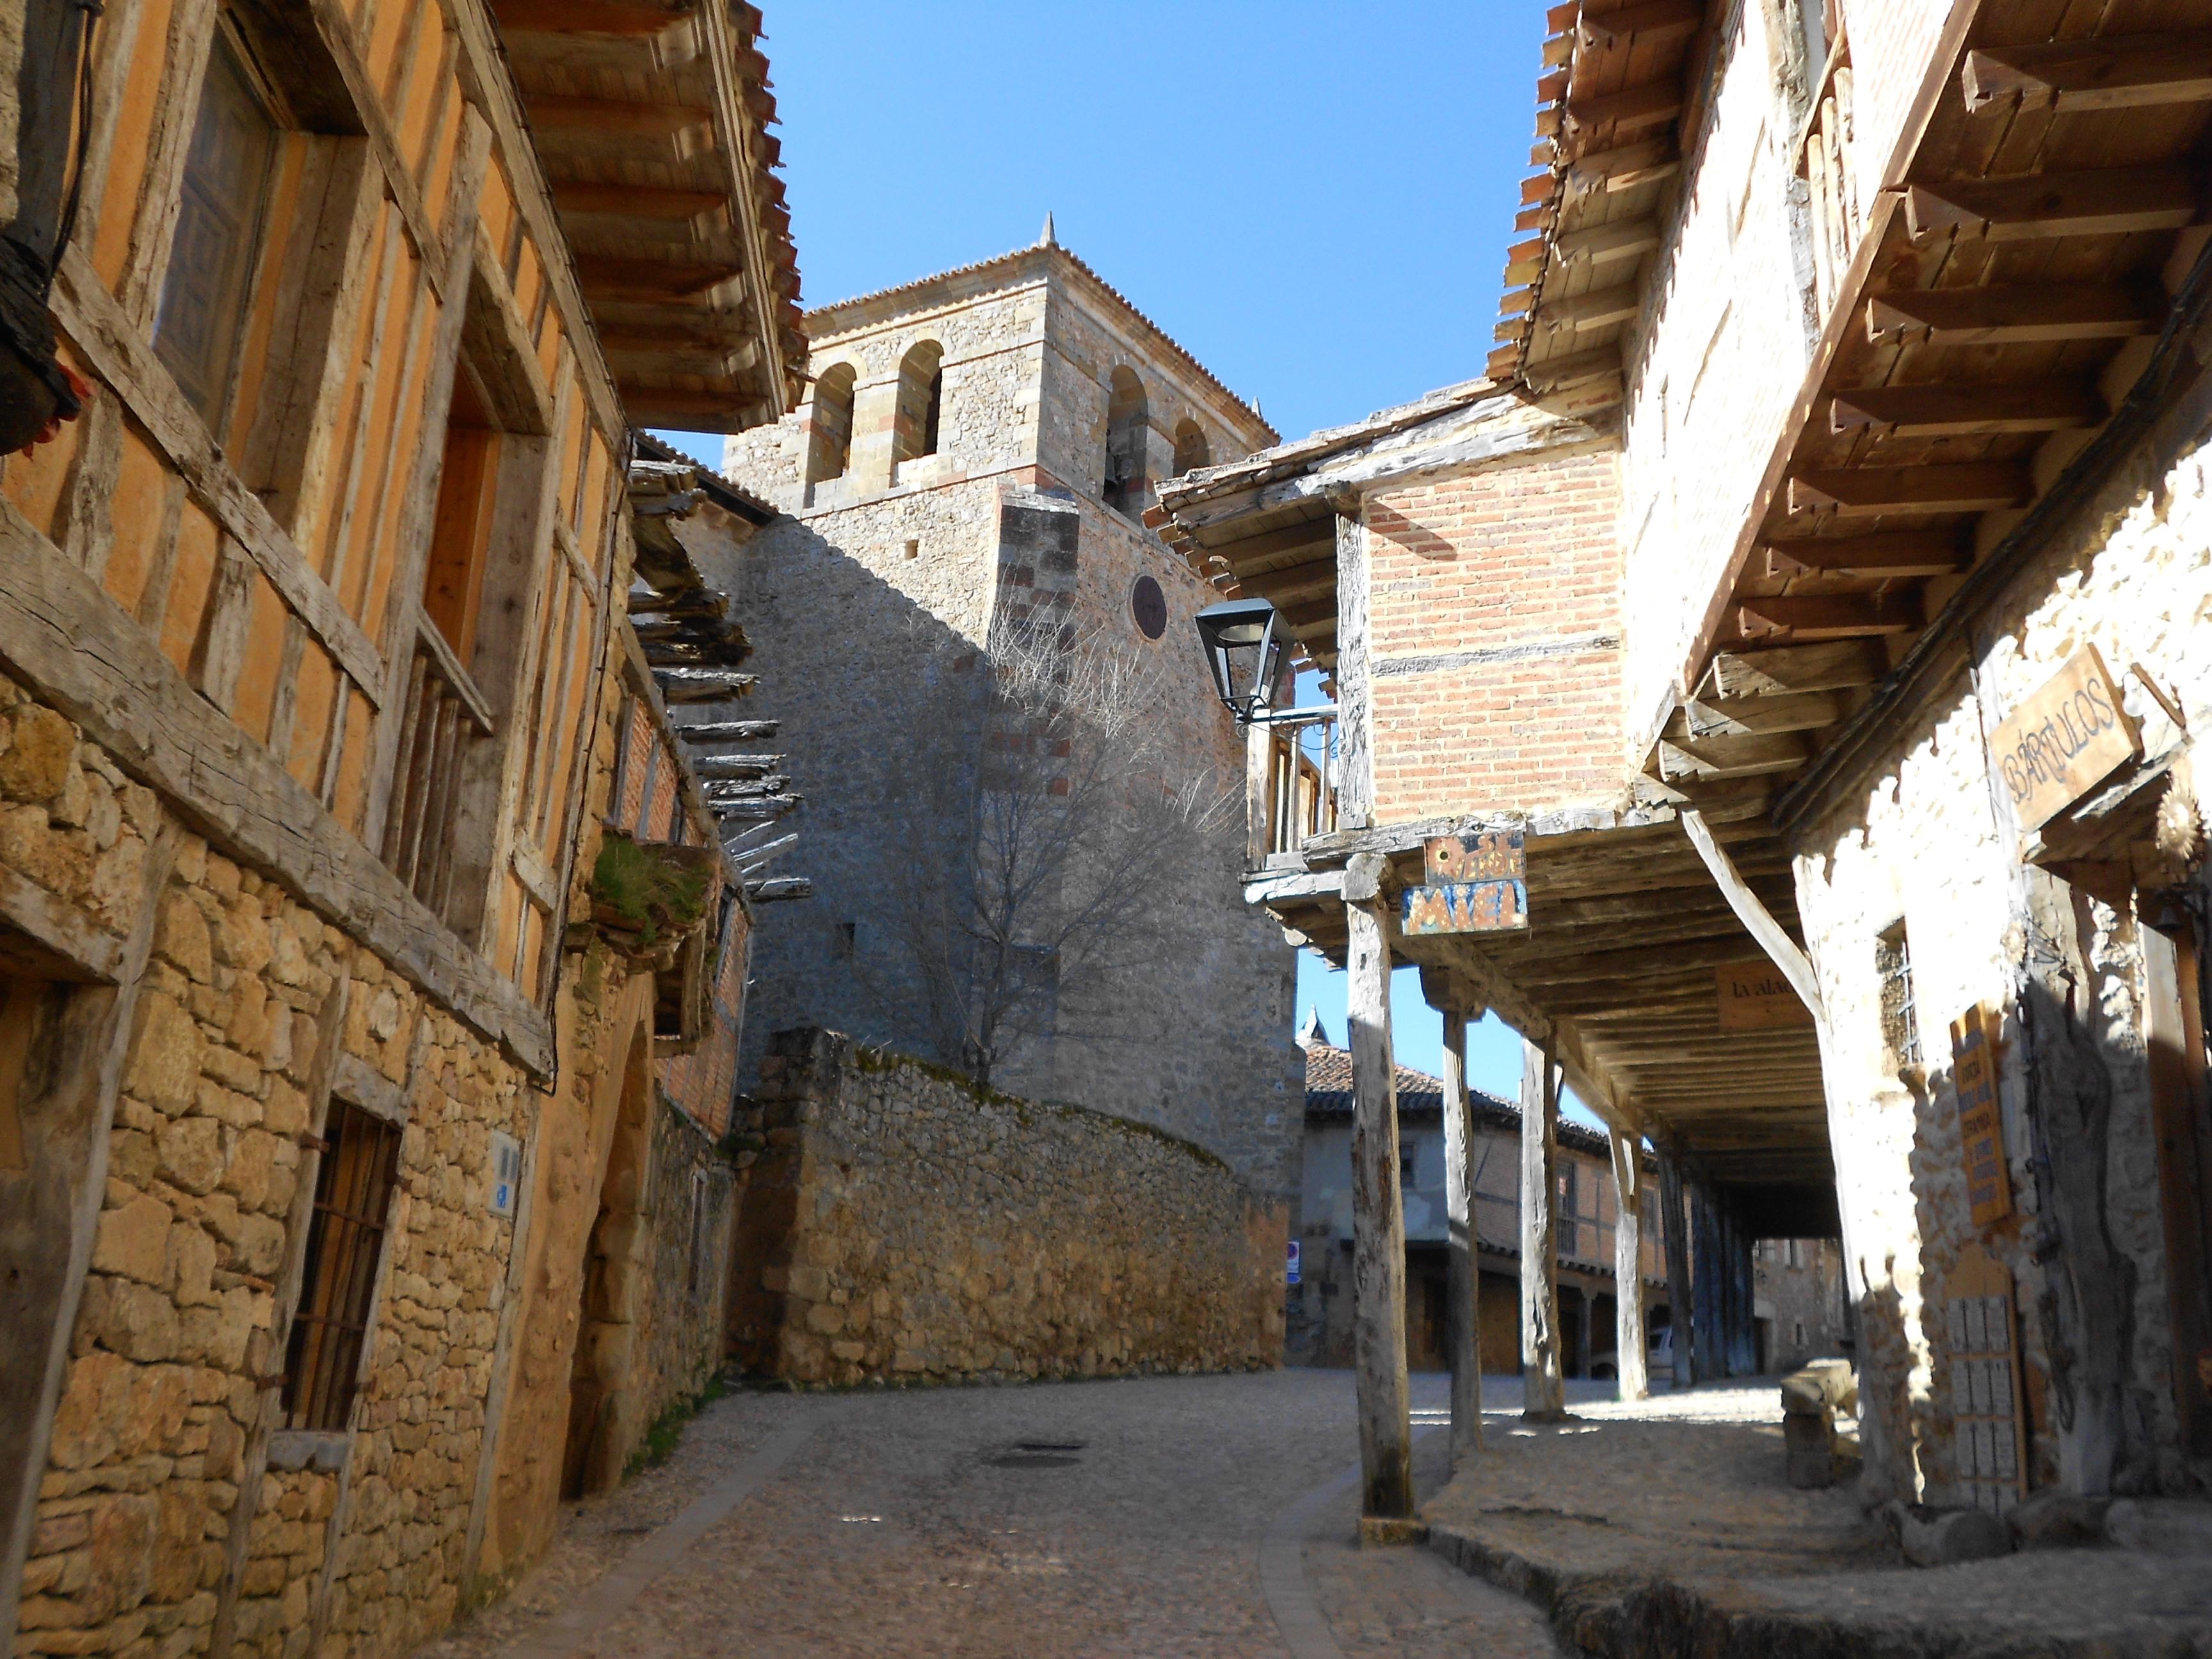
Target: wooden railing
[
  {"x": 1291, "y": 786},
  {"x": 445, "y": 721},
  {"x": 1826, "y": 161}
]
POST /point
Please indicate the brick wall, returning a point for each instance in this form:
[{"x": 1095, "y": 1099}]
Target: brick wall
[{"x": 1495, "y": 638}]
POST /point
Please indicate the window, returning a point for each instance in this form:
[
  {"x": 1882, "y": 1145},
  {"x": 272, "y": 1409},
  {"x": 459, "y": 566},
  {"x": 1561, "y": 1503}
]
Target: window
[
  {"x": 345, "y": 1250},
  {"x": 1148, "y": 608},
  {"x": 844, "y": 940},
  {"x": 920, "y": 402},
  {"x": 460, "y": 539},
  {"x": 1191, "y": 451},
  {"x": 204, "y": 296},
  {"x": 1128, "y": 423},
  {"x": 1900, "y": 1026},
  {"x": 830, "y": 436}
]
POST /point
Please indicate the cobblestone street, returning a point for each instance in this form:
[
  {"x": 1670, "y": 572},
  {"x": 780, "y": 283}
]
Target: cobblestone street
[{"x": 1173, "y": 1517}]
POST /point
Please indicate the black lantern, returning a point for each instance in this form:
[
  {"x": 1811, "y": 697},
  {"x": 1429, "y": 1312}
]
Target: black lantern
[{"x": 1245, "y": 646}]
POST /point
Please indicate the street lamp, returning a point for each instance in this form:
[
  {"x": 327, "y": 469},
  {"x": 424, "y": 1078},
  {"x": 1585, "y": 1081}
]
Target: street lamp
[{"x": 1244, "y": 641}]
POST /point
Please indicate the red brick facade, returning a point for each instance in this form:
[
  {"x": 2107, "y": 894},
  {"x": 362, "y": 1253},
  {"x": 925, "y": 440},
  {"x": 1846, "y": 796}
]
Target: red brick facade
[{"x": 1495, "y": 630}]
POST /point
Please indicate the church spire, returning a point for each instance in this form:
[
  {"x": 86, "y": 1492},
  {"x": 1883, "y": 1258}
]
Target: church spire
[{"x": 1048, "y": 240}]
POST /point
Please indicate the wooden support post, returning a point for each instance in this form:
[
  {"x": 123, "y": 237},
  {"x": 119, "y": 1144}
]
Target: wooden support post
[
  {"x": 1675, "y": 1236},
  {"x": 1707, "y": 1276},
  {"x": 1378, "y": 1222},
  {"x": 1543, "y": 1388},
  {"x": 1464, "y": 1288},
  {"x": 1740, "y": 1312},
  {"x": 1628, "y": 1265},
  {"x": 1259, "y": 795},
  {"x": 1585, "y": 1329}
]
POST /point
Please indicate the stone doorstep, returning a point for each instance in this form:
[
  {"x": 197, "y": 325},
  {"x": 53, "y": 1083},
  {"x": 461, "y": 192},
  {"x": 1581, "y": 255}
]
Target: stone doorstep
[{"x": 1629, "y": 1616}]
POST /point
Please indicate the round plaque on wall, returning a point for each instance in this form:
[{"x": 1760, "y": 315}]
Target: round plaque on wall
[{"x": 1150, "y": 608}]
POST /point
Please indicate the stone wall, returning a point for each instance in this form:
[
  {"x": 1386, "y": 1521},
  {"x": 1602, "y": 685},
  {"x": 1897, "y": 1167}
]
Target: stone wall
[
  {"x": 900, "y": 1226},
  {"x": 2130, "y": 573}
]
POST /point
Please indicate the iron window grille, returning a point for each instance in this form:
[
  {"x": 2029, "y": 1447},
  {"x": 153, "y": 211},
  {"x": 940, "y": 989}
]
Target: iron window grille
[
  {"x": 345, "y": 1247},
  {"x": 1900, "y": 1024}
]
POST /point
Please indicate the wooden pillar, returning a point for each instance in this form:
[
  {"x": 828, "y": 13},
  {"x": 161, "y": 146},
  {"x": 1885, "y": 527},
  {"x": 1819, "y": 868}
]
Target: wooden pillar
[
  {"x": 1708, "y": 1274},
  {"x": 1378, "y": 1222},
  {"x": 1543, "y": 1388},
  {"x": 1585, "y": 1329},
  {"x": 1740, "y": 1316},
  {"x": 1464, "y": 1289},
  {"x": 1674, "y": 1236},
  {"x": 1628, "y": 1265}
]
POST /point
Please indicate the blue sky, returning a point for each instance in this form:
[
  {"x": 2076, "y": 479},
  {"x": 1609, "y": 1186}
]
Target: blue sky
[{"x": 1315, "y": 200}]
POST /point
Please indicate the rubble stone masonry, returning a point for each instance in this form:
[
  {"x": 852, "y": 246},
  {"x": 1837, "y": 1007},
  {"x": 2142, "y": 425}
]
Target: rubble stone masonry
[{"x": 902, "y": 1226}]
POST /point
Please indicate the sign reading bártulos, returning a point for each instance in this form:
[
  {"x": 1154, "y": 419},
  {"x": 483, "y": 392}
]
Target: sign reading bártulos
[
  {"x": 1475, "y": 885},
  {"x": 1755, "y": 996},
  {"x": 2063, "y": 740}
]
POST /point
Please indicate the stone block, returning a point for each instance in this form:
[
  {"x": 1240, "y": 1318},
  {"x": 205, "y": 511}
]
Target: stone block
[
  {"x": 192, "y": 1154},
  {"x": 164, "y": 1060},
  {"x": 2057, "y": 1519},
  {"x": 133, "y": 1240},
  {"x": 133, "y": 1320},
  {"x": 182, "y": 938},
  {"x": 1941, "y": 1538},
  {"x": 35, "y": 764}
]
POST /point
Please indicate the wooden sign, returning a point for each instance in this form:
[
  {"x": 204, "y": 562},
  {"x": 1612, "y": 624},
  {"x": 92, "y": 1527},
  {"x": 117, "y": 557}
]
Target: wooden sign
[
  {"x": 1755, "y": 996},
  {"x": 1989, "y": 1454},
  {"x": 1476, "y": 884},
  {"x": 1981, "y": 1126},
  {"x": 2064, "y": 740}
]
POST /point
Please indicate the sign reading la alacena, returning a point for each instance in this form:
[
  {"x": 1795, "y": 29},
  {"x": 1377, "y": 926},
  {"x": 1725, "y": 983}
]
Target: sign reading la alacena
[{"x": 2063, "y": 740}]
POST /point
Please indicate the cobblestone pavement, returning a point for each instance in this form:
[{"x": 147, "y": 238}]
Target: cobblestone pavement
[{"x": 1124, "y": 1518}]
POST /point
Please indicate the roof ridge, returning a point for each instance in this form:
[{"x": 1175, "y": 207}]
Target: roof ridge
[{"x": 1045, "y": 250}]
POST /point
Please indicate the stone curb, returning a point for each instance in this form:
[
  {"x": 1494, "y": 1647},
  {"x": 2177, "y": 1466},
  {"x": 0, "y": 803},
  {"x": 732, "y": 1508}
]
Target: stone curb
[{"x": 1626, "y": 1616}]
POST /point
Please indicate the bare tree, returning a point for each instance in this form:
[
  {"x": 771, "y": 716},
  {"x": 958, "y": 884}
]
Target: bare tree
[{"x": 1045, "y": 806}]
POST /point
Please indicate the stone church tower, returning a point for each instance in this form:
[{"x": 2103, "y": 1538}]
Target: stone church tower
[{"x": 977, "y": 444}]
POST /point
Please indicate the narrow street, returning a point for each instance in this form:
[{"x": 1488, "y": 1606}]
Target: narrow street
[{"x": 1204, "y": 1517}]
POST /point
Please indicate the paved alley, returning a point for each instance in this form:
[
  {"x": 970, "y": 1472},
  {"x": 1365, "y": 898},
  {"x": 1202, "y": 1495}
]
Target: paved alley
[{"x": 1205, "y": 1516}]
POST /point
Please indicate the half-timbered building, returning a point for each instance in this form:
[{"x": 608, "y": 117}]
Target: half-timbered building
[{"x": 370, "y": 972}]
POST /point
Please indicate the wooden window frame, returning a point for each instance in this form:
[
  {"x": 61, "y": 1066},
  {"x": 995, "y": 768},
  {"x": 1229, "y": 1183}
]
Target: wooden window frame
[{"x": 356, "y": 1178}]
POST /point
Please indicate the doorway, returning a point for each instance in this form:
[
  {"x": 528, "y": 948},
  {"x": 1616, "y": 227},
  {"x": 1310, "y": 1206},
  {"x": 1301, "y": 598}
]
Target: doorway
[{"x": 613, "y": 1295}]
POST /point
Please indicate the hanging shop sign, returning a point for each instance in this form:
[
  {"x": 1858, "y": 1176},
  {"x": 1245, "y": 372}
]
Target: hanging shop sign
[
  {"x": 1473, "y": 884},
  {"x": 1755, "y": 996},
  {"x": 1982, "y": 1355},
  {"x": 1981, "y": 1127},
  {"x": 2064, "y": 740}
]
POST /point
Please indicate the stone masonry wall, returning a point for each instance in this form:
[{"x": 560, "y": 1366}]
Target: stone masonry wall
[
  {"x": 2132, "y": 575},
  {"x": 901, "y": 1227}
]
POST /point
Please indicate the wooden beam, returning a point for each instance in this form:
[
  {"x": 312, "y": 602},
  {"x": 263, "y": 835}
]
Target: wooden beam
[
  {"x": 1596, "y": 309},
  {"x": 1792, "y": 669},
  {"x": 2120, "y": 72},
  {"x": 1873, "y": 491},
  {"x": 611, "y": 17},
  {"x": 2014, "y": 316},
  {"x": 1543, "y": 1383},
  {"x": 1565, "y": 372},
  {"x": 1758, "y": 920},
  {"x": 1647, "y": 106},
  {"x": 2109, "y": 201},
  {"x": 1627, "y": 239},
  {"x": 1312, "y": 580},
  {"x": 616, "y": 118},
  {"x": 1643, "y": 25},
  {"x": 1319, "y": 533},
  {"x": 1378, "y": 1226},
  {"x": 1463, "y": 1155},
  {"x": 1959, "y": 412},
  {"x": 1832, "y": 616},
  {"x": 1894, "y": 553},
  {"x": 1738, "y": 716},
  {"x": 693, "y": 208},
  {"x": 651, "y": 281},
  {"x": 1608, "y": 171},
  {"x": 1752, "y": 755}
]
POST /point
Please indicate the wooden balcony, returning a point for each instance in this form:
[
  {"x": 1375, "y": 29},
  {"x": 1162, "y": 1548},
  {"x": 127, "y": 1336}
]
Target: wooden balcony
[{"x": 1291, "y": 783}]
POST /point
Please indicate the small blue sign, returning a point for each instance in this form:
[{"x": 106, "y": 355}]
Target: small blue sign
[{"x": 1291, "y": 1272}]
